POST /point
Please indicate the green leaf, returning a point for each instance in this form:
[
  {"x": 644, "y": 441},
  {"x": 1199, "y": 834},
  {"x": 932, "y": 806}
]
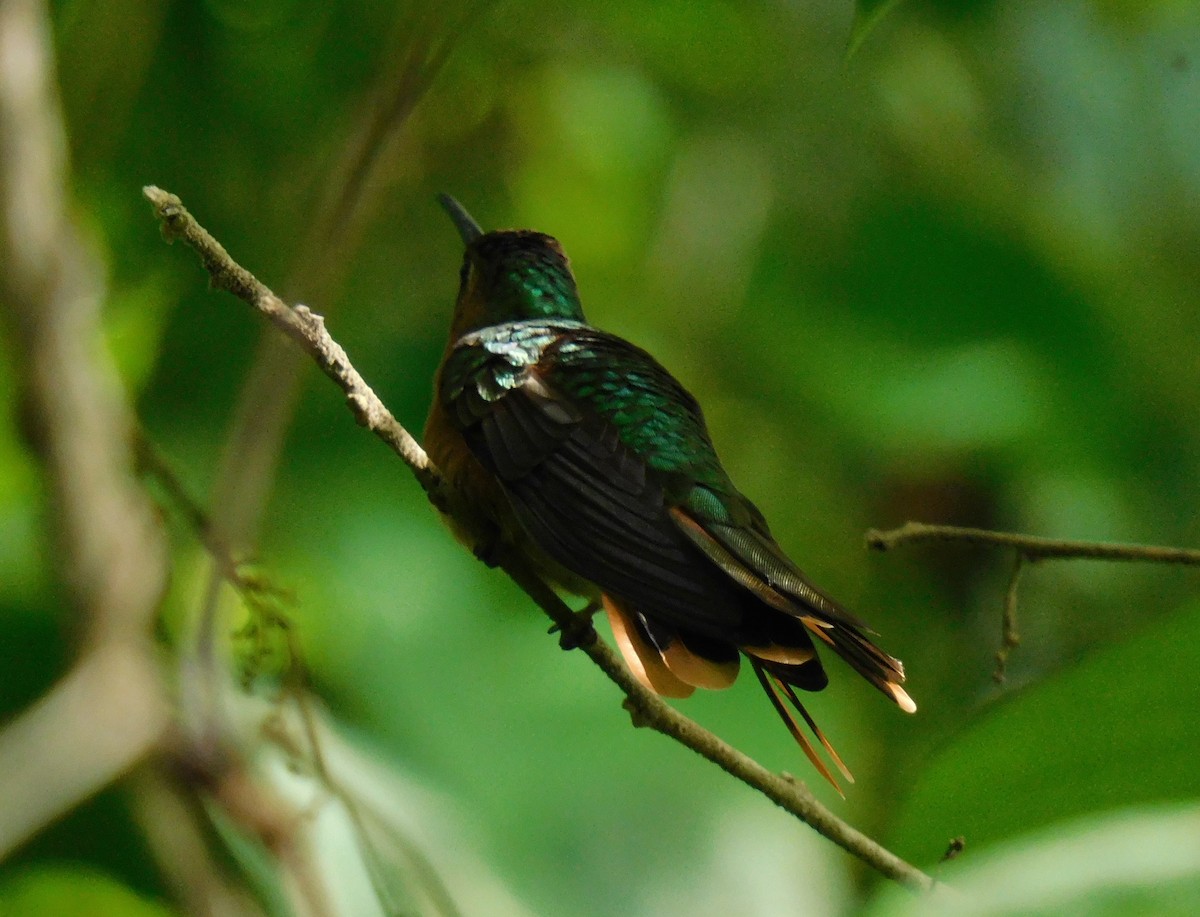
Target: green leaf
[
  {"x": 55, "y": 891},
  {"x": 867, "y": 14},
  {"x": 1128, "y": 863},
  {"x": 1114, "y": 731}
]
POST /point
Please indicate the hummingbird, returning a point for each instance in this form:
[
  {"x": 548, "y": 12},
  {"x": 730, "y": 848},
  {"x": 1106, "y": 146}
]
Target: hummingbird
[{"x": 581, "y": 453}]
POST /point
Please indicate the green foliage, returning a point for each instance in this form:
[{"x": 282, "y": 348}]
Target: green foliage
[
  {"x": 264, "y": 645},
  {"x": 55, "y": 891},
  {"x": 1101, "y": 734},
  {"x": 1128, "y": 861},
  {"x": 867, "y": 14}
]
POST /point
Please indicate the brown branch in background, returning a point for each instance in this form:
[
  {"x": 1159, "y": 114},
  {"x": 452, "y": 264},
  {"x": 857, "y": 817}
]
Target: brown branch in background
[
  {"x": 111, "y": 708},
  {"x": 650, "y": 710},
  {"x": 268, "y": 397},
  {"x": 354, "y": 190},
  {"x": 1032, "y": 546},
  {"x": 1029, "y": 549},
  {"x": 178, "y": 829},
  {"x": 301, "y": 742},
  {"x": 151, "y": 463}
]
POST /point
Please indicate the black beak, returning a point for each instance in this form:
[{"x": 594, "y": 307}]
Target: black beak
[{"x": 467, "y": 227}]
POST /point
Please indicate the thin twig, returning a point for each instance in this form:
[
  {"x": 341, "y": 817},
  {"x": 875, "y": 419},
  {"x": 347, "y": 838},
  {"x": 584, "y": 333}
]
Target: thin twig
[
  {"x": 152, "y": 463},
  {"x": 1032, "y": 546},
  {"x": 1029, "y": 549},
  {"x": 309, "y": 331},
  {"x": 425, "y": 875},
  {"x": 1010, "y": 637},
  {"x": 344, "y": 211}
]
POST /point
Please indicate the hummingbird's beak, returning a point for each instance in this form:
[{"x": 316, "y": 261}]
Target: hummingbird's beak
[{"x": 467, "y": 227}]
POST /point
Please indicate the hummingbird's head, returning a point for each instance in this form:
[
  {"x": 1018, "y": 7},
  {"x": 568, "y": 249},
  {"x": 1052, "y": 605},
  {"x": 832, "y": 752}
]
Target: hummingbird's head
[{"x": 510, "y": 275}]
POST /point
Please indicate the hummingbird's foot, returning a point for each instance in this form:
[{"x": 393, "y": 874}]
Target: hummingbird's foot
[
  {"x": 580, "y": 632},
  {"x": 489, "y": 551},
  {"x": 439, "y": 499}
]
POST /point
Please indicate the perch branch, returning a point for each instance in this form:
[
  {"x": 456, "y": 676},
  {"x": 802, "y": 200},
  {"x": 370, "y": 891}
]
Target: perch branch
[
  {"x": 303, "y": 326},
  {"x": 354, "y": 191},
  {"x": 308, "y": 330}
]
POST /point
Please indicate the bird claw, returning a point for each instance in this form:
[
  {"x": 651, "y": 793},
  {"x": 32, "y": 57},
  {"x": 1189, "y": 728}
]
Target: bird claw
[
  {"x": 637, "y": 715},
  {"x": 580, "y": 631},
  {"x": 489, "y": 552}
]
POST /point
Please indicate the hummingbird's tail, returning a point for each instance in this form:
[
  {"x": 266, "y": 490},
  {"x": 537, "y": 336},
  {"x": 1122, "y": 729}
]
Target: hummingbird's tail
[
  {"x": 662, "y": 660},
  {"x": 673, "y": 664},
  {"x": 752, "y": 558},
  {"x": 848, "y": 640},
  {"x": 776, "y": 681}
]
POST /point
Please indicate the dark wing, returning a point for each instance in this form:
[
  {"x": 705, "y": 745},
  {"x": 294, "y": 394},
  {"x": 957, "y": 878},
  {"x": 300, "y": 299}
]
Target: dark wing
[{"x": 543, "y": 407}]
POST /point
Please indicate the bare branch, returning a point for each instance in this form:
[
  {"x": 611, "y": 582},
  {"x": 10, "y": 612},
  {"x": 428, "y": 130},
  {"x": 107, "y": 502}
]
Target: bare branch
[
  {"x": 308, "y": 330},
  {"x": 113, "y": 708},
  {"x": 1029, "y": 548},
  {"x": 175, "y": 823},
  {"x": 93, "y": 726},
  {"x": 302, "y": 325},
  {"x": 1032, "y": 546}
]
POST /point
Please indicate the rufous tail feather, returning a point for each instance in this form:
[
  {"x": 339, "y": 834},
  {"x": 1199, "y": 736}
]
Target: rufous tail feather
[
  {"x": 673, "y": 671},
  {"x": 644, "y": 661}
]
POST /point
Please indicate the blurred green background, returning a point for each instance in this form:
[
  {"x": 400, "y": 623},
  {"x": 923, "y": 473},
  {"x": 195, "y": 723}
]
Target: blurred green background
[{"x": 953, "y": 278}]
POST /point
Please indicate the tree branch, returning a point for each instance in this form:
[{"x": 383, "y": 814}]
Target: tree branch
[
  {"x": 110, "y": 709},
  {"x": 1032, "y": 547},
  {"x": 302, "y": 325},
  {"x": 354, "y": 190},
  {"x": 308, "y": 330},
  {"x": 1029, "y": 549}
]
